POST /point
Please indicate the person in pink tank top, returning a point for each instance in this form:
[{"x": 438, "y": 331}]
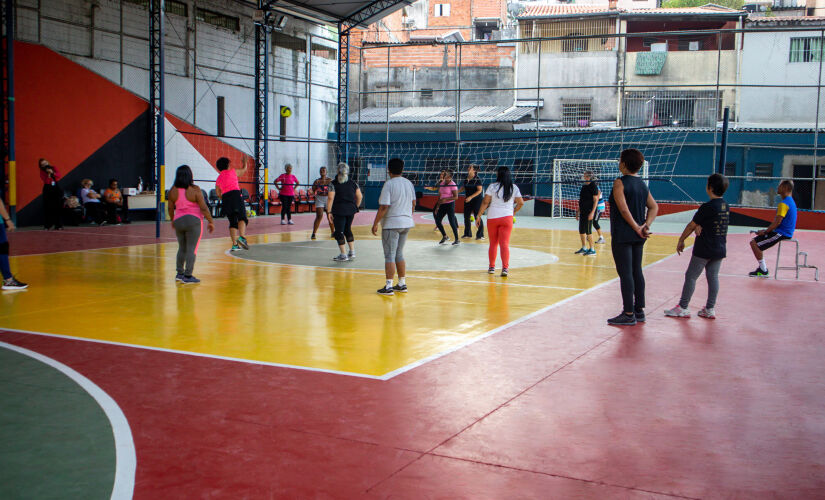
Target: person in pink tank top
[
  {"x": 187, "y": 208},
  {"x": 286, "y": 183},
  {"x": 445, "y": 206}
]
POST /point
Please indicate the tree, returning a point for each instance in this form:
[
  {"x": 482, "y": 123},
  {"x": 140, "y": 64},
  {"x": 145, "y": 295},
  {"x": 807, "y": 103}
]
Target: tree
[{"x": 677, "y": 4}]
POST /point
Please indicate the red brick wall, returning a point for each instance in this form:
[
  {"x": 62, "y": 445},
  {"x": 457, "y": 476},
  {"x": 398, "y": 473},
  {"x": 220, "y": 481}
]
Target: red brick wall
[{"x": 491, "y": 56}]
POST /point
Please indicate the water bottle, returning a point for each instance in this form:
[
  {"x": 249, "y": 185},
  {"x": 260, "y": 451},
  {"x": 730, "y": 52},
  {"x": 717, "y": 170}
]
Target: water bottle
[{"x": 140, "y": 185}]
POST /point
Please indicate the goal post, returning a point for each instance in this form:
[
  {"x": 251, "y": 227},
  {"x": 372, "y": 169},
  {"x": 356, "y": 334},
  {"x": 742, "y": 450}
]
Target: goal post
[{"x": 567, "y": 181}]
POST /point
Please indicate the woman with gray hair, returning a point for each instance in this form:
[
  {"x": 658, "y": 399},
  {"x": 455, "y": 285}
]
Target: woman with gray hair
[{"x": 344, "y": 198}]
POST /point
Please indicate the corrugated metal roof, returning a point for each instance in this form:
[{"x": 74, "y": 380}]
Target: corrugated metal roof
[
  {"x": 534, "y": 11},
  {"x": 415, "y": 114},
  {"x": 705, "y": 10}
]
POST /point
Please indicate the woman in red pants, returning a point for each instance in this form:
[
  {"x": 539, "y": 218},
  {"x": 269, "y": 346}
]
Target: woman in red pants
[{"x": 503, "y": 199}]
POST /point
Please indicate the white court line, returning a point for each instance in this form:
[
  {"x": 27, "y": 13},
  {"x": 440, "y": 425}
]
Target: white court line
[
  {"x": 125, "y": 456},
  {"x": 192, "y": 353}
]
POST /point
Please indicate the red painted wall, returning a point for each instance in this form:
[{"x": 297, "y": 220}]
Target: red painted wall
[{"x": 64, "y": 113}]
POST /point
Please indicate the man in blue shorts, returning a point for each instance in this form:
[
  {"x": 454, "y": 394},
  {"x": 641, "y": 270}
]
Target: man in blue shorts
[{"x": 781, "y": 228}]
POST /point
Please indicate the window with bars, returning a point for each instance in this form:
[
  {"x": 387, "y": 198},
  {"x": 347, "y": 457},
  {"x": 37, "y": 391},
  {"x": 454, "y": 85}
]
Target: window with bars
[
  {"x": 170, "y": 6},
  {"x": 558, "y": 29},
  {"x": 763, "y": 170},
  {"x": 575, "y": 114},
  {"x": 388, "y": 96},
  {"x": 483, "y": 30},
  {"x": 427, "y": 94},
  {"x": 289, "y": 42},
  {"x": 325, "y": 52},
  {"x": 808, "y": 49},
  {"x": 218, "y": 19}
]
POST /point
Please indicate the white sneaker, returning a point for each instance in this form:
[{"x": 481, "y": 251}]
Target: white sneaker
[
  {"x": 677, "y": 312},
  {"x": 340, "y": 258},
  {"x": 600, "y": 240},
  {"x": 707, "y": 313}
]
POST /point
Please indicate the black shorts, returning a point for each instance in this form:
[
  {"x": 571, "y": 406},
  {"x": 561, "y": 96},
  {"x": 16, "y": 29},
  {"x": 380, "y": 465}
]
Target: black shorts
[
  {"x": 233, "y": 208},
  {"x": 767, "y": 240},
  {"x": 585, "y": 226}
]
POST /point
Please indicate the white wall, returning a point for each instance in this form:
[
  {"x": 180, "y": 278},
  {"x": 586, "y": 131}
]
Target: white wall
[
  {"x": 571, "y": 69},
  {"x": 765, "y": 61},
  {"x": 202, "y": 63}
]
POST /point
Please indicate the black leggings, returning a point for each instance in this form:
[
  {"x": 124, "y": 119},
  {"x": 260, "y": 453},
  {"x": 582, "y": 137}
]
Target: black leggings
[
  {"x": 286, "y": 206},
  {"x": 596, "y": 217},
  {"x": 628, "y": 259},
  {"x": 52, "y": 206},
  {"x": 447, "y": 209},
  {"x": 343, "y": 228},
  {"x": 472, "y": 208}
]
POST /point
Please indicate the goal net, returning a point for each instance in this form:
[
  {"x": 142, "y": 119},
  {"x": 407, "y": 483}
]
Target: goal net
[
  {"x": 547, "y": 166},
  {"x": 568, "y": 180}
]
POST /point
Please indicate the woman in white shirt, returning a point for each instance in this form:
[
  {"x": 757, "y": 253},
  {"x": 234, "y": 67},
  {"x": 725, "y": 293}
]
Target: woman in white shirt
[
  {"x": 91, "y": 202},
  {"x": 504, "y": 200}
]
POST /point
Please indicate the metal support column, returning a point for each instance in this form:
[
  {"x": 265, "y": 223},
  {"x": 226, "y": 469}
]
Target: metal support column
[
  {"x": 7, "y": 111},
  {"x": 157, "y": 105},
  {"x": 343, "y": 92},
  {"x": 262, "y": 110}
]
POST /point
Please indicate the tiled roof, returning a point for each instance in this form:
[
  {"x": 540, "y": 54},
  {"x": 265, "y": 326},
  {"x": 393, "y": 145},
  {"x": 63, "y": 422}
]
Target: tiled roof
[
  {"x": 441, "y": 114},
  {"x": 544, "y": 11},
  {"x": 804, "y": 20}
]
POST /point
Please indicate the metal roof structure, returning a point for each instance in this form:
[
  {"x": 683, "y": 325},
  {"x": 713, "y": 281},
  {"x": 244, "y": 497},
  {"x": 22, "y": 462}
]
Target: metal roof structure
[
  {"x": 544, "y": 11},
  {"x": 332, "y": 12},
  {"x": 441, "y": 114},
  {"x": 707, "y": 10}
]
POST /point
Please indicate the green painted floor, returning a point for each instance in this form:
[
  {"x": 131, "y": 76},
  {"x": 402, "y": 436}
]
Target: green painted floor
[{"x": 55, "y": 441}]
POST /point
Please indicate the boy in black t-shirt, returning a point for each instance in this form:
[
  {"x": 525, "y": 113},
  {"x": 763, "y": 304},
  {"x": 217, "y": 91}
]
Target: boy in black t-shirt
[
  {"x": 588, "y": 199},
  {"x": 711, "y": 226}
]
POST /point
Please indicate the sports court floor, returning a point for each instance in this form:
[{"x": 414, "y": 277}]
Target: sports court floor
[{"x": 284, "y": 375}]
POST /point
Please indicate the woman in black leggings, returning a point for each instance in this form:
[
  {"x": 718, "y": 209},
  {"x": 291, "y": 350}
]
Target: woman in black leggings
[
  {"x": 474, "y": 192},
  {"x": 344, "y": 198},
  {"x": 447, "y": 194},
  {"x": 630, "y": 228}
]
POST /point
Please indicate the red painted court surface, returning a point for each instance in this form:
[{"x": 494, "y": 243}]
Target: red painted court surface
[{"x": 558, "y": 406}]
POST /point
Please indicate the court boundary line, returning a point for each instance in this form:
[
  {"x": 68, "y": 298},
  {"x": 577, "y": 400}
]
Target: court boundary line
[
  {"x": 123, "y": 486},
  {"x": 192, "y": 353}
]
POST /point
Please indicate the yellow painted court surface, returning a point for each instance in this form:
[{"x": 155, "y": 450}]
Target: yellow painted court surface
[{"x": 327, "y": 317}]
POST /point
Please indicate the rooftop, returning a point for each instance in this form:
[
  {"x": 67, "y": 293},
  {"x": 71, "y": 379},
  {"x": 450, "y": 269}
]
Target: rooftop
[
  {"x": 547, "y": 11},
  {"x": 441, "y": 114}
]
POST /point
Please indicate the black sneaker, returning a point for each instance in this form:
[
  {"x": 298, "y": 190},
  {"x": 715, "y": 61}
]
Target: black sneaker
[
  {"x": 640, "y": 316},
  {"x": 504, "y": 272},
  {"x": 179, "y": 277},
  {"x": 385, "y": 291},
  {"x": 312, "y": 237},
  {"x": 759, "y": 273},
  {"x": 13, "y": 284},
  {"x": 190, "y": 280},
  {"x": 456, "y": 242},
  {"x": 491, "y": 270},
  {"x": 581, "y": 251},
  {"x": 622, "y": 320},
  {"x": 444, "y": 241},
  {"x": 400, "y": 288}
]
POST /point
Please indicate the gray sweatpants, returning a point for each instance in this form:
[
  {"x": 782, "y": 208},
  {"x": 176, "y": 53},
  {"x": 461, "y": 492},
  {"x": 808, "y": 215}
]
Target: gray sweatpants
[
  {"x": 188, "y": 230},
  {"x": 694, "y": 270},
  {"x": 393, "y": 241}
]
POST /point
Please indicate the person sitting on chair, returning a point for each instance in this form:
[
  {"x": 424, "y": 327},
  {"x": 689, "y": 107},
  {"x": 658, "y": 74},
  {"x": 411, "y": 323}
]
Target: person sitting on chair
[
  {"x": 781, "y": 228},
  {"x": 114, "y": 200},
  {"x": 91, "y": 202}
]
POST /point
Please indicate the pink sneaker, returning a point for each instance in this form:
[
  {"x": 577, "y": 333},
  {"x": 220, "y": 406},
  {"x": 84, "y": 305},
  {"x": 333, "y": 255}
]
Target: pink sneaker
[
  {"x": 677, "y": 312},
  {"x": 707, "y": 313}
]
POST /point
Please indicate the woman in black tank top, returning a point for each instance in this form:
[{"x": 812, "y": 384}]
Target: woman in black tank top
[{"x": 632, "y": 211}]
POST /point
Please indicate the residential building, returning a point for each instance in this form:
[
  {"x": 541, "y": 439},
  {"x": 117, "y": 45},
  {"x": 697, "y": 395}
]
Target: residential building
[
  {"x": 402, "y": 61},
  {"x": 773, "y": 62}
]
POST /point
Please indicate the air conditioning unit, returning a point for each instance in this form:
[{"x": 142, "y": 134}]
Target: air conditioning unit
[{"x": 408, "y": 24}]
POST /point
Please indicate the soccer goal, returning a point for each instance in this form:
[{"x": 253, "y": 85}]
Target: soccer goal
[{"x": 567, "y": 181}]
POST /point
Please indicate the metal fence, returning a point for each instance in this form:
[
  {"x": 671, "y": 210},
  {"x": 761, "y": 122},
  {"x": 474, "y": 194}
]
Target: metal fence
[{"x": 584, "y": 76}]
